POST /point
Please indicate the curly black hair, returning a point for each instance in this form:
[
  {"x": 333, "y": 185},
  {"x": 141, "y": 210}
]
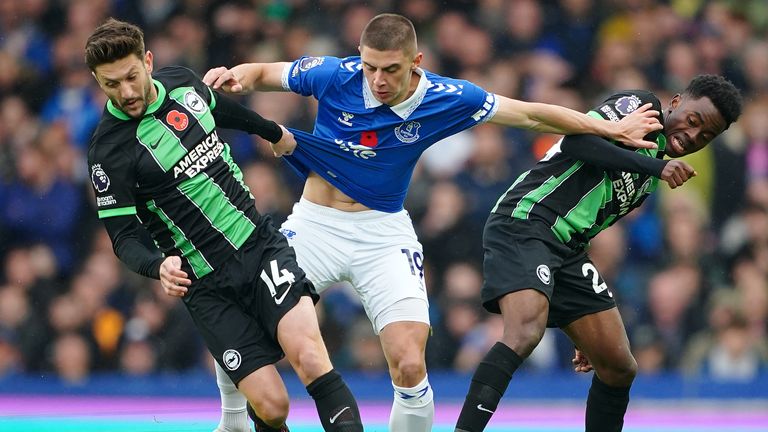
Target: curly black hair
[{"x": 723, "y": 94}]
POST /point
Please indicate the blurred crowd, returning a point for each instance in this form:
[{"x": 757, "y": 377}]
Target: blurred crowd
[{"x": 689, "y": 269}]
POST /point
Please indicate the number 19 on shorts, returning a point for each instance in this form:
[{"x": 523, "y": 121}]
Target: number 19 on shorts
[{"x": 415, "y": 262}]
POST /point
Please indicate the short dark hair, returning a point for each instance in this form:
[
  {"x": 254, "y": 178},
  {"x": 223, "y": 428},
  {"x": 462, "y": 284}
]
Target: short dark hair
[
  {"x": 389, "y": 32},
  {"x": 113, "y": 41},
  {"x": 723, "y": 94}
]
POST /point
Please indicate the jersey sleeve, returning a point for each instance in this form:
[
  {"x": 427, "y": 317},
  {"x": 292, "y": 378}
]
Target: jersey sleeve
[
  {"x": 477, "y": 104},
  {"x": 113, "y": 180},
  {"x": 311, "y": 76}
]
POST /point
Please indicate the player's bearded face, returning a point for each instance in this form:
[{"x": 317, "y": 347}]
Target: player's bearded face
[
  {"x": 128, "y": 84},
  {"x": 388, "y": 73}
]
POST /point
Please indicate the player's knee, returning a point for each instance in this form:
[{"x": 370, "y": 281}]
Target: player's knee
[
  {"x": 409, "y": 370},
  {"x": 272, "y": 408},
  {"x": 524, "y": 337},
  {"x": 312, "y": 363},
  {"x": 618, "y": 373}
]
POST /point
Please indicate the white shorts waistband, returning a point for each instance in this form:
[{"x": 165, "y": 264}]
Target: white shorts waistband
[{"x": 307, "y": 209}]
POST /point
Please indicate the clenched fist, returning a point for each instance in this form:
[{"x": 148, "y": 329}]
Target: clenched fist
[{"x": 677, "y": 172}]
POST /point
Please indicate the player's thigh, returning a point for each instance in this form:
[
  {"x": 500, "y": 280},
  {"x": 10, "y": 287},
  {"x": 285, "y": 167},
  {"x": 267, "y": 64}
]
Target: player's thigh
[
  {"x": 602, "y": 337},
  {"x": 235, "y": 339},
  {"x": 299, "y": 336},
  {"x": 275, "y": 284},
  {"x": 516, "y": 260},
  {"x": 579, "y": 291},
  {"x": 404, "y": 340},
  {"x": 387, "y": 268},
  {"x": 321, "y": 248}
]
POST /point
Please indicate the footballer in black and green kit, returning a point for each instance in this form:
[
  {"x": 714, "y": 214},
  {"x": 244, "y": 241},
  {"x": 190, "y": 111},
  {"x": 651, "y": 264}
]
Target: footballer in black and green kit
[
  {"x": 177, "y": 175},
  {"x": 581, "y": 186},
  {"x": 537, "y": 272},
  {"x": 170, "y": 171},
  {"x": 157, "y": 159}
]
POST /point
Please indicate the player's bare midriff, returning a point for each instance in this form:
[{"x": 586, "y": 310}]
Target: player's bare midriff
[{"x": 319, "y": 191}]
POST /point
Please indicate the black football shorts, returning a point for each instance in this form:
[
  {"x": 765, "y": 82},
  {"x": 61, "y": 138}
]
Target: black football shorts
[
  {"x": 522, "y": 254},
  {"x": 237, "y": 306}
]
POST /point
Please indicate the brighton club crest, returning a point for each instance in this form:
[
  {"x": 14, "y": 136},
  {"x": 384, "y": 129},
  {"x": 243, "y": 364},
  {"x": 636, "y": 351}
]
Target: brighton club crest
[{"x": 99, "y": 178}]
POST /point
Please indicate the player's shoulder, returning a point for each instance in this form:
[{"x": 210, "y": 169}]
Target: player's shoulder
[
  {"x": 351, "y": 64},
  {"x": 346, "y": 68},
  {"x": 175, "y": 76},
  {"x": 443, "y": 84},
  {"x": 629, "y": 98},
  {"x": 109, "y": 134},
  {"x": 623, "y": 103},
  {"x": 454, "y": 91}
]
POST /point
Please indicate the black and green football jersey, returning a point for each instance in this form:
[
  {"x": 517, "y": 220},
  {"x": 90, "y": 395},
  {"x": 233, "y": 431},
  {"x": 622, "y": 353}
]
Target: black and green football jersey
[
  {"x": 578, "y": 200},
  {"x": 172, "y": 170}
]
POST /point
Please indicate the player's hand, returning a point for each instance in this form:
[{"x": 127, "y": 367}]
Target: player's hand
[
  {"x": 580, "y": 362},
  {"x": 224, "y": 79},
  {"x": 677, "y": 172},
  {"x": 634, "y": 127},
  {"x": 173, "y": 280},
  {"x": 286, "y": 145}
]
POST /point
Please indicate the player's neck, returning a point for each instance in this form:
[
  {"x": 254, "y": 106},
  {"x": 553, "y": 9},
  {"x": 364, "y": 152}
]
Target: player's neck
[{"x": 152, "y": 93}]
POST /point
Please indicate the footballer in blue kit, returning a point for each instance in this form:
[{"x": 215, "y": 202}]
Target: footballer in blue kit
[
  {"x": 367, "y": 149},
  {"x": 376, "y": 114}
]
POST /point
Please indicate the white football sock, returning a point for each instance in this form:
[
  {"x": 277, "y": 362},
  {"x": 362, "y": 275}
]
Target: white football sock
[
  {"x": 233, "y": 415},
  {"x": 413, "y": 409}
]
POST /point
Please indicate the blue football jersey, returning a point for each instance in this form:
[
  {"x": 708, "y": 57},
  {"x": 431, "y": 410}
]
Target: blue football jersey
[{"x": 366, "y": 149}]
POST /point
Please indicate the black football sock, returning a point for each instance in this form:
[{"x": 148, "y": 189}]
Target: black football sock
[
  {"x": 488, "y": 385},
  {"x": 606, "y": 406},
  {"x": 335, "y": 404}
]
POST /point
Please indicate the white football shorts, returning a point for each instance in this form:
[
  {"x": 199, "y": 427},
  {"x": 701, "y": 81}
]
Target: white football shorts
[{"x": 377, "y": 252}]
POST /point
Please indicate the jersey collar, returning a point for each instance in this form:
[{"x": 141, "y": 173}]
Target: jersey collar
[
  {"x": 404, "y": 108},
  {"x": 150, "y": 109}
]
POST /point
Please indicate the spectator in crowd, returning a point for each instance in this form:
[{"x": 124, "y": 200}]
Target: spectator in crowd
[
  {"x": 459, "y": 314},
  {"x": 40, "y": 205},
  {"x": 671, "y": 310},
  {"x": 71, "y": 358}
]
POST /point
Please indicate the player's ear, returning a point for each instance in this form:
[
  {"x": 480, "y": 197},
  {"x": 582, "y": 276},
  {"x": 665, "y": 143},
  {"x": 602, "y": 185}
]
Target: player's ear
[
  {"x": 148, "y": 57},
  {"x": 674, "y": 102},
  {"x": 417, "y": 60}
]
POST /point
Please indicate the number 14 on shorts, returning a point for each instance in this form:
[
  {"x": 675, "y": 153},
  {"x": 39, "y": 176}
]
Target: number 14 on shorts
[{"x": 279, "y": 276}]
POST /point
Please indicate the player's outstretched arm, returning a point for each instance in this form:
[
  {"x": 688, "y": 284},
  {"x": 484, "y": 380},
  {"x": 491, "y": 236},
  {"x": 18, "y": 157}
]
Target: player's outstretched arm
[
  {"x": 231, "y": 115},
  {"x": 540, "y": 117},
  {"x": 246, "y": 77},
  {"x": 602, "y": 153}
]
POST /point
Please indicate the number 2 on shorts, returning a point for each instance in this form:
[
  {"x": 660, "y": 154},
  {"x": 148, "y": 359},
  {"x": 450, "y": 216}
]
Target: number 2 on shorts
[{"x": 588, "y": 268}]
